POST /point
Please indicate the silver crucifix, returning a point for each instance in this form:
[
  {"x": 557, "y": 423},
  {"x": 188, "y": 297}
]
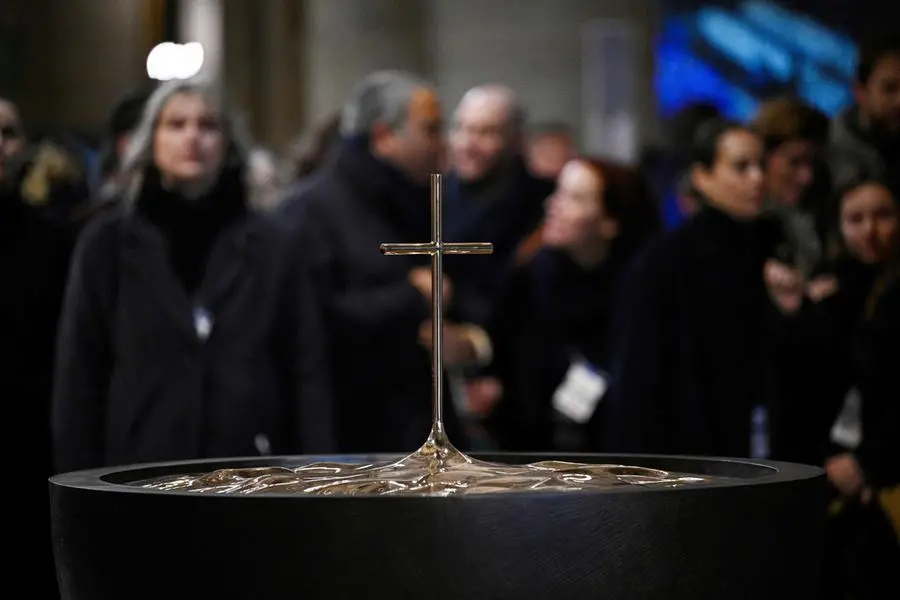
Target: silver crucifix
[{"x": 437, "y": 248}]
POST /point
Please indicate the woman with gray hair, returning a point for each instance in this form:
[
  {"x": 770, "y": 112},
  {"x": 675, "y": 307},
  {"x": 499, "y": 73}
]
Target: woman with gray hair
[{"x": 180, "y": 334}]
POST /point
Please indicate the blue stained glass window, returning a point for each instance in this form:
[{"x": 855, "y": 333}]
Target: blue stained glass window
[
  {"x": 737, "y": 40},
  {"x": 733, "y": 58},
  {"x": 682, "y": 79},
  {"x": 802, "y": 34}
]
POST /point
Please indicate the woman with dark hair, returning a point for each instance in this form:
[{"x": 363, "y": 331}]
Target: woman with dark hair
[
  {"x": 794, "y": 137},
  {"x": 180, "y": 334},
  {"x": 553, "y": 323},
  {"x": 689, "y": 361},
  {"x": 841, "y": 396},
  {"x": 864, "y": 314}
]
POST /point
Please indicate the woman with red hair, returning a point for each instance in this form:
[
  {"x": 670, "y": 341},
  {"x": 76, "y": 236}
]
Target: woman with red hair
[{"x": 550, "y": 330}]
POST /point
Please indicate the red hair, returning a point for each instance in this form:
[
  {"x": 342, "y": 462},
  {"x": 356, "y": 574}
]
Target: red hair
[{"x": 626, "y": 197}]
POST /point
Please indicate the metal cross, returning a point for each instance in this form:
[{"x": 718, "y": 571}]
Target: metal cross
[{"x": 437, "y": 248}]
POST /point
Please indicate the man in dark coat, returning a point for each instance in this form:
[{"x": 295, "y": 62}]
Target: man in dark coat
[
  {"x": 377, "y": 307},
  {"x": 492, "y": 196},
  {"x": 868, "y": 134},
  {"x": 34, "y": 254}
]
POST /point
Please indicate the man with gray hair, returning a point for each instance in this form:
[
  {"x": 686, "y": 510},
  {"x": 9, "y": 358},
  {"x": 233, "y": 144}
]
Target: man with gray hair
[
  {"x": 375, "y": 191},
  {"x": 491, "y": 193},
  {"x": 488, "y": 131},
  {"x": 399, "y": 116}
]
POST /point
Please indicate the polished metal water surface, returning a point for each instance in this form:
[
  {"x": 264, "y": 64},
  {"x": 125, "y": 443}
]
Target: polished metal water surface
[{"x": 433, "y": 470}]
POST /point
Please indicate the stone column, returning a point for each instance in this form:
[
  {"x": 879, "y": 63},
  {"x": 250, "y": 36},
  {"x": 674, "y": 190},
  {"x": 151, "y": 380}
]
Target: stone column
[
  {"x": 281, "y": 89},
  {"x": 537, "y": 49},
  {"x": 203, "y": 21},
  {"x": 77, "y": 58},
  {"x": 346, "y": 39},
  {"x": 262, "y": 68}
]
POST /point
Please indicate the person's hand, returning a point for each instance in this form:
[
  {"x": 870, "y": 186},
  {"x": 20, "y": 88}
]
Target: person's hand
[
  {"x": 822, "y": 287},
  {"x": 458, "y": 346},
  {"x": 866, "y": 495},
  {"x": 420, "y": 278},
  {"x": 785, "y": 286},
  {"x": 482, "y": 395},
  {"x": 845, "y": 474}
]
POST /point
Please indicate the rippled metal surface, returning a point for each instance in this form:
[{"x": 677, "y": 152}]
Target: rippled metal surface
[{"x": 436, "y": 469}]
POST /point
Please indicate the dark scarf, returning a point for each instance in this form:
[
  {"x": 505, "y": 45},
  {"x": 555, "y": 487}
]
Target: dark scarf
[
  {"x": 501, "y": 207},
  {"x": 405, "y": 203},
  {"x": 575, "y": 301},
  {"x": 191, "y": 226},
  {"x": 749, "y": 240}
]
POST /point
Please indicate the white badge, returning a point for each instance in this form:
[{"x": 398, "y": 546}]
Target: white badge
[
  {"x": 263, "y": 445},
  {"x": 847, "y": 429},
  {"x": 203, "y": 323},
  {"x": 580, "y": 392}
]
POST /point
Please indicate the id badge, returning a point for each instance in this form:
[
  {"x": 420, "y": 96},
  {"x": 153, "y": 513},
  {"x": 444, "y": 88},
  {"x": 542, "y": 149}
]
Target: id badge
[
  {"x": 847, "y": 429},
  {"x": 203, "y": 323},
  {"x": 581, "y": 390}
]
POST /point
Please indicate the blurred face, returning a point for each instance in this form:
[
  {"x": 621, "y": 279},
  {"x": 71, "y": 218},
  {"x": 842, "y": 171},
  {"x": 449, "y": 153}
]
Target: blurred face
[
  {"x": 418, "y": 148},
  {"x": 734, "y": 184},
  {"x": 869, "y": 223},
  {"x": 12, "y": 139},
  {"x": 480, "y": 137},
  {"x": 188, "y": 144},
  {"x": 548, "y": 154},
  {"x": 575, "y": 216},
  {"x": 789, "y": 171},
  {"x": 879, "y": 98}
]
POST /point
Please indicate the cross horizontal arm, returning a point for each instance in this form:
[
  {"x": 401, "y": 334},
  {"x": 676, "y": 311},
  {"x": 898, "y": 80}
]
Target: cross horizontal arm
[
  {"x": 467, "y": 248},
  {"x": 446, "y": 248},
  {"x": 395, "y": 249}
]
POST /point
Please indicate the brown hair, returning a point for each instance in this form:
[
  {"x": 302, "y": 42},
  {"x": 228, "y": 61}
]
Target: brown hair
[
  {"x": 627, "y": 198},
  {"x": 782, "y": 120},
  {"x": 837, "y": 247}
]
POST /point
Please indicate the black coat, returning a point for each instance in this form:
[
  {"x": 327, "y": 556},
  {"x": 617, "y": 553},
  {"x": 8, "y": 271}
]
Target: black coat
[
  {"x": 181, "y": 337},
  {"x": 848, "y": 340},
  {"x": 504, "y": 210},
  {"x": 380, "y": 375},
  {"x": 875, "y": 354},
  {"x": 692, "y": 347},
  {"x": 552, "y": 313},
  {"x": 34, "y": 256}
]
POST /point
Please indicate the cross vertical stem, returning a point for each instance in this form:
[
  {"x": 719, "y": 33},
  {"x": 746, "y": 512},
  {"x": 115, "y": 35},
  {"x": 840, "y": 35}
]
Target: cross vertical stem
[
  {"x": 437, "y": 304},
  {"x": 436, "y": 249}
]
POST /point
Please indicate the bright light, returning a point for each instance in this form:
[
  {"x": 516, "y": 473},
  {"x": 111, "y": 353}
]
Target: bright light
[{"x": 174, "y": 61}]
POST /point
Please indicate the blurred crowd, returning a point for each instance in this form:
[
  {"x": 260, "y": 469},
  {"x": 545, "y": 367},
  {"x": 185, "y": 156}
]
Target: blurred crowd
[{"x": 184, "y": 294}]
